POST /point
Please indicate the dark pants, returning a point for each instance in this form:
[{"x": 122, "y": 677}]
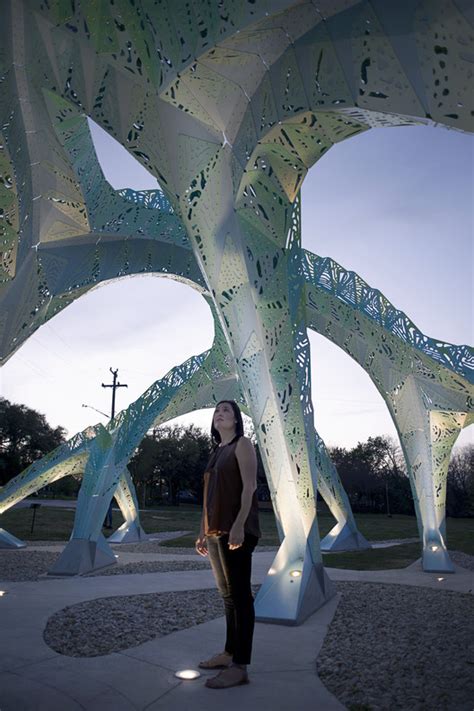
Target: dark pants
[{"x": 232, "y": 570}]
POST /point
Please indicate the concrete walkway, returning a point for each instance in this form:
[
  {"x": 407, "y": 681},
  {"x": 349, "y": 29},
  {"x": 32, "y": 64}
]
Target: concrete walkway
[{"x": 33, "y": 676}]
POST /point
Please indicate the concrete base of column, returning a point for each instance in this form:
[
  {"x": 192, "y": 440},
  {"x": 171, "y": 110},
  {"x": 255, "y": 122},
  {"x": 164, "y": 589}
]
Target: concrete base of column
[
  {"x": 128, "y": 533},
  {"x": 9, "y": 541},
  {"x": 344, "y": 537},
  {"x": 435, "y": 559},
  {"x": 83, "y": 556},
  {"x": 293, "y": 589}
]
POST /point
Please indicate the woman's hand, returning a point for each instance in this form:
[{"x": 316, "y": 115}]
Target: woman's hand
[
  {"x": 236, "y": 536},
  {"x": 201, "y": 546}
]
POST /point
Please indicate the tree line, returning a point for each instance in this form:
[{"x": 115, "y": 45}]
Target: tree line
[
  {"x": 168, "y": 466},
  {"x": 24, "y": 437},
  {"x": 375, "y": 478}
]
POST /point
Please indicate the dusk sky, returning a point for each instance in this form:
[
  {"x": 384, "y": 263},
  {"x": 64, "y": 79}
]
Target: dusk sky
[{"x": 394, "y": 205}]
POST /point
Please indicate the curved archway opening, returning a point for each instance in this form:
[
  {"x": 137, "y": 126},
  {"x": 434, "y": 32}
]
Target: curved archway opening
[
  {"x": 394, "y": 206},
  {"x": 143, "y": 326},
  {"x": 348, "y": 408}
]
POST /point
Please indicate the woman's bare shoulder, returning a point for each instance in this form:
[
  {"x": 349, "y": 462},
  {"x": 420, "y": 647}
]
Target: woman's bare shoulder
[{"x": 245, "y": 444}]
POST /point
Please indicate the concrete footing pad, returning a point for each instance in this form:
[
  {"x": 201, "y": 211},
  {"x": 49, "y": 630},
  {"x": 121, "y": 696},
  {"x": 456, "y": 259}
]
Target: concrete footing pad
[
  {"x": 293, "y": 589},
  {"x": 129, "y": 532},
  {"x": 343, "y": 537},
  {"x": 83, "y": 556},
  {"x": 436, "y": 559},
  {"x": 9, "y": 541}
]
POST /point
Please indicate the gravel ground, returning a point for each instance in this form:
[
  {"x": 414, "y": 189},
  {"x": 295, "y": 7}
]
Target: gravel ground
[
  {"x": 24, "y": 565},
  {"x": 396, "y": 647},
  {"x": 464, "y": 560},
  {"x": 155, "y": 547},
  {"x": 27, "y": 565},
  {"x": 389, "y": 647},
  {"x": 112, "y": 624},
  {"x": 151, "y": 547},
  {"x": 145, "y": 547},
  {"x": 152, "y": 567}
]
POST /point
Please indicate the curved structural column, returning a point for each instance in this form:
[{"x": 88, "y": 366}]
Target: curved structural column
[{"x": 426, "y": 385}]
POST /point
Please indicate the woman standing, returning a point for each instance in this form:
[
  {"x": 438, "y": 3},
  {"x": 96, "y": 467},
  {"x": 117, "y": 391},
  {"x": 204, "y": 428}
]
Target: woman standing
[{"x": 229, "y": 533}]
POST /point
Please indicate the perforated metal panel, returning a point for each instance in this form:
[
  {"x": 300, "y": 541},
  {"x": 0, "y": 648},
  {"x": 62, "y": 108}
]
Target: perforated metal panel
[{"x": 228, "y": 105}]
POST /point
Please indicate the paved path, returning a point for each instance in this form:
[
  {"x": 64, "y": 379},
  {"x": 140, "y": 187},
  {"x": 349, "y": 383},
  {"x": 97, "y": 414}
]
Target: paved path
[{"x": 34, "y": 677}]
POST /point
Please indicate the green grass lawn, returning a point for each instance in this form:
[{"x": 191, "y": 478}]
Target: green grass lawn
[
  {"x": 375, "y": 527},
  {"x": 55, "y": 524},
  {"x": 376, "y": 558},
  {"x": 51, "y": 524}
]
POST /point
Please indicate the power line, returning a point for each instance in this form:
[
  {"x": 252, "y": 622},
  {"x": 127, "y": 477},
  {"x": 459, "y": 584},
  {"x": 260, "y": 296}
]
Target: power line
[
  {"x": 36, "y": 340},
  {"x": 35, "y": 368}
]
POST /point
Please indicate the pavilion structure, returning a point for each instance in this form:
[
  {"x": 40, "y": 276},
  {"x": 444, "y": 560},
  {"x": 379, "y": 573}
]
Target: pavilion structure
[{"x": 228, "y": 104}]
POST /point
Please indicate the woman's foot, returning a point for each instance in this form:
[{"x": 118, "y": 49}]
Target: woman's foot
[
  {"x": 218, "y": 661},
  {"x": 233, "y": 676}
]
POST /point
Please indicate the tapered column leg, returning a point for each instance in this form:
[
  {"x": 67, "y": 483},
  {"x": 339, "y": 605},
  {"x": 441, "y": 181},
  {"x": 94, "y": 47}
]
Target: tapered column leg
[
  {"x": 130, "y": 531},
  {"x": 427, "y": 438}
]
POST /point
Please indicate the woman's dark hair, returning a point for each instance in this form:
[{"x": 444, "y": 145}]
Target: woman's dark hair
[{"x": 239, "y": 425}]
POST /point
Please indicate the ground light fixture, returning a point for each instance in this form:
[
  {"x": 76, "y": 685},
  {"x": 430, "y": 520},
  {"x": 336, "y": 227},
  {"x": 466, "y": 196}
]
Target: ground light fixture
[
  {"x": 434, "y": 548},
  {"x": 440, "y": 580},
  {"x": 295, "y": 573},
  {"x": 2, "y": 593},
  {"x": 188, "y": 674}
]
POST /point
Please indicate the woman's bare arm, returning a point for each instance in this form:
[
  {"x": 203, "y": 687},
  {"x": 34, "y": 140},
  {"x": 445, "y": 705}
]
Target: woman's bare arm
[
  {"x": 247, "y": 460},
  {"x": 201, "y": 545}
]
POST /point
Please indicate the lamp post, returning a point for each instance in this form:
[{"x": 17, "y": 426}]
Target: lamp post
[{"x": 94, "y": 408}]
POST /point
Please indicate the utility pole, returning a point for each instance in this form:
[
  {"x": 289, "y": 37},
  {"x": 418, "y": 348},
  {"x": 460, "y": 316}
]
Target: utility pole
[{"x": 114, "y": 385}]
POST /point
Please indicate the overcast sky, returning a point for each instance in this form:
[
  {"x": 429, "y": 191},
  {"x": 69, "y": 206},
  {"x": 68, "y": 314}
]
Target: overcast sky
[{"x": 394, "y": 205}]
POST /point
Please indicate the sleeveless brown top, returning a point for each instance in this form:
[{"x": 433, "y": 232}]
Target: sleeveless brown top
[{"x": 222, "y": 493}]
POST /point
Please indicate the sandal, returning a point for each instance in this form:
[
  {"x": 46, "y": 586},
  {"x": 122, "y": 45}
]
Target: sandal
[
  {"x": 234, "y": 676},
  {"x": 218, "y": 661}
]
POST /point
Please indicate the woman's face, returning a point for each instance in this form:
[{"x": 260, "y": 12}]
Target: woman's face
[{"x": 224, "y": 418}]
